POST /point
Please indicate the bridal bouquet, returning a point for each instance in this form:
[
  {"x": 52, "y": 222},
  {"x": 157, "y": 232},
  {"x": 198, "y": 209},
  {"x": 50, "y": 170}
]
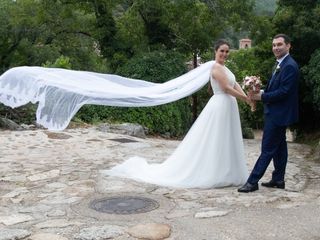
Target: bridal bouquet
[{"x": 252, "y": 85}]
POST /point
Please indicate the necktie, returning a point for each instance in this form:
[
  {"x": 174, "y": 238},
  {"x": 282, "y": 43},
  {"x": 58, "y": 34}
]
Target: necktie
[
  {"x": 273, "y": 72},
  {"x": 274, "y": 67}
]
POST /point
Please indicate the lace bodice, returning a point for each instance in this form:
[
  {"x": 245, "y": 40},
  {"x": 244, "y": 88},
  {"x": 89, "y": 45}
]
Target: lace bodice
[{"x": 215, "y": 84}]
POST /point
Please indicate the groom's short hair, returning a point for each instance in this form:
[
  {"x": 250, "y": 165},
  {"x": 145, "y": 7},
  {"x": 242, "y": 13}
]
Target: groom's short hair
[{"x": 286, "y": 38}]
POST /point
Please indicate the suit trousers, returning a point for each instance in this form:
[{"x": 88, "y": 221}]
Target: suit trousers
[{"x": 274, "y": 146}]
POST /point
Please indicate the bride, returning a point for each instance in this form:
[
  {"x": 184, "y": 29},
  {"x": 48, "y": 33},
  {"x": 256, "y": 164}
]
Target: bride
[{"x": 211, "y": 155}]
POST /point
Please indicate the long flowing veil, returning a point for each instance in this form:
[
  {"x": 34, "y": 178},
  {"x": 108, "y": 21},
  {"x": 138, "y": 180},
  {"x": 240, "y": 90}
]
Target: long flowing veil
[{"x": 60, "y": 93}]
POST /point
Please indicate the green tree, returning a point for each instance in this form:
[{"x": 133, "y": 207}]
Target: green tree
[
  {"x": 40, "y": 32},
  {"x": 300, "y": 20},
  {"x": 35, "y": 31},
  {"x": 198, "y": 23},
  {"x": 265, "y": 7},
  {"x": 155, "y": 20},
  {"x": 312, "y": 75}
]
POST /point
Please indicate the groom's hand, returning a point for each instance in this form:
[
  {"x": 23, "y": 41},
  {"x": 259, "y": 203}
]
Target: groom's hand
[{"x": 256, "y": 96}]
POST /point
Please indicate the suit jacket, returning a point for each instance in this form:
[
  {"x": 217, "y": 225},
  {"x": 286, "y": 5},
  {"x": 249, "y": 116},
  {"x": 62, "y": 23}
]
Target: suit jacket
[{"x": 280, "y": 97}]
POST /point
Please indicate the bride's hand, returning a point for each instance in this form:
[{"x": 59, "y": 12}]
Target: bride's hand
[
  {"x": 248, "y": 101},
  {"x": 252, "y": 104}
]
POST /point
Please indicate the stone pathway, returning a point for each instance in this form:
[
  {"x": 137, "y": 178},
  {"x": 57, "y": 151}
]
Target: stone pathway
[{"x": 48, "y": 180}]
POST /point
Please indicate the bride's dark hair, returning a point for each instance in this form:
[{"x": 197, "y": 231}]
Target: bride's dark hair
[{"x": 220, "y": 42}]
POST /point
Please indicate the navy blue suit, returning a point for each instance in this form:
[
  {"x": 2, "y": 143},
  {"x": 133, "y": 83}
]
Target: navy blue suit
[{"x": 280, "y": 100}]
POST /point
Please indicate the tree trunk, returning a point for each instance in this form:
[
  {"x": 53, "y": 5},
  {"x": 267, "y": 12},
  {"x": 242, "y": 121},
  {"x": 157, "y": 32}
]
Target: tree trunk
[{"x": 194, "y": 97}]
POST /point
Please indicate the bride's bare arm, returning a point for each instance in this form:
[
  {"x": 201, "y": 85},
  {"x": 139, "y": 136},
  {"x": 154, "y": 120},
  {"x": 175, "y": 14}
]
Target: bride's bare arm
[
  {"x": 239, "y": 88},
  {"x": 219, "y": 75}
]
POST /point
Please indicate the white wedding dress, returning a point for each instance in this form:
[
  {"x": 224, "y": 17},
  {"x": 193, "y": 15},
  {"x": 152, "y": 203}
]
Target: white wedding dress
[{"x": 210, "y": 156}]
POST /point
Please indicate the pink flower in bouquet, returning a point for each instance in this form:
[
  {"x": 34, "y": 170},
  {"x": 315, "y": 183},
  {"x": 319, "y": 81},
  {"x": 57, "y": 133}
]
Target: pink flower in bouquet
[{"x": 252, "y": 85}]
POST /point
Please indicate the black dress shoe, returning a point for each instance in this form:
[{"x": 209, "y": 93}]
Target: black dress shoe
[
  {"x": 274, "y": 184},
  {"x": 248, "y": 187}
]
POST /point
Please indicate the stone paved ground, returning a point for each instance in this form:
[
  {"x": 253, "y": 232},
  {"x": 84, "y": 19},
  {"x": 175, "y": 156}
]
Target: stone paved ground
[{"x": 48, "y": 180}]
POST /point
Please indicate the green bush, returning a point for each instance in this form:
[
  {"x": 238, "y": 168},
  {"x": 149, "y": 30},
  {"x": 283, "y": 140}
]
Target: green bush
[
  {"x": 25, "y": 114},
  {"x": 312, "y": 77},
  {"x": 61, "y": 62},
  {"x": 167, "y": 120},
  {"x": 157, "y": 66},
  {"x": 170, "y": 119},
  {"x": 244, "y": 63}
]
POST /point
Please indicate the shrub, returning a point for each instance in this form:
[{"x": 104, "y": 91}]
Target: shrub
[
  {"x": 312, "y": 78},
  {"x": 170, "y": 119},
  {"x": 242, "y": 63}
]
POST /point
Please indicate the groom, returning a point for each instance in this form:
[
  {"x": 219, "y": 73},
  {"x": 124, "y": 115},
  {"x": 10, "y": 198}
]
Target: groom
[{"x": 280, "y": 99}]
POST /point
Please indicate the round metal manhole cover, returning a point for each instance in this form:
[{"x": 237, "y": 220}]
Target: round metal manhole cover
[{"x": 124, "y": 205}]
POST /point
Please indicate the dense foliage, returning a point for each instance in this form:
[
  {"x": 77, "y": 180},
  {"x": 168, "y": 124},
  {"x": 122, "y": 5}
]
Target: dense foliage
[
  {"x": 265, "y": 7},
  {"x": 244, "y": 63},
  {"x": 312, "y": 75},
  {"x": 300, "y": 20},
  {"x": 172, "y": 119},
  {"x": 35, "y": 32}
]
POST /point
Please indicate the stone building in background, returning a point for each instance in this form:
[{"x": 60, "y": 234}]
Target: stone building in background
[{"x": 244, "y": 43}]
